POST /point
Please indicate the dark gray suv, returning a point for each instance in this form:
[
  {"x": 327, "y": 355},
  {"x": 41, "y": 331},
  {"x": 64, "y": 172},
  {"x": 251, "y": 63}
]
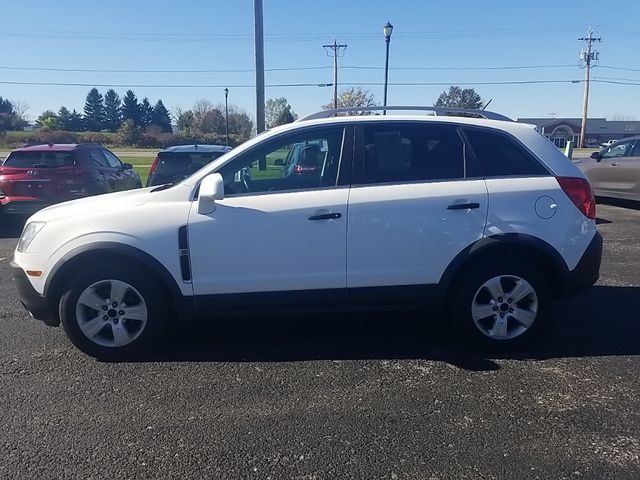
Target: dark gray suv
[{"x": 176, "y": 163}]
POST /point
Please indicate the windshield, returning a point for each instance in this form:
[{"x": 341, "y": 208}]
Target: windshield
[{"x": 39, "y": 160}]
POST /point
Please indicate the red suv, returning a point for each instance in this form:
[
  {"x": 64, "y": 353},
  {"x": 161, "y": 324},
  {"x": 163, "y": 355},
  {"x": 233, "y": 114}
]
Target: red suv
[{"x": 34, "y": 177}]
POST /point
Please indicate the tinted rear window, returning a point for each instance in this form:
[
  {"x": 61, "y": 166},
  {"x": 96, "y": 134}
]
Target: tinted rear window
[
  {"x": 399, "y": 152},
  {"x": 187, "y": 163},
  {"x": 39, "y": 159},
  {"x": 499, "y": 154}
]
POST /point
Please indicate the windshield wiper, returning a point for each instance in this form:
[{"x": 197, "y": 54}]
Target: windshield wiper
[{"x": 162, "y": 187}]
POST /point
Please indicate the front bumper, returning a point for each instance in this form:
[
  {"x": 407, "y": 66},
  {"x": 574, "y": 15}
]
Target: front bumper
[
  {"x": 587, "y": 271},
  {"x": 36, "y": 304}
]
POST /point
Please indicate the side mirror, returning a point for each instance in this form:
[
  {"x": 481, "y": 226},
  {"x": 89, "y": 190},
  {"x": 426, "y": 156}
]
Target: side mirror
[
  {"x": 596, "y": 156},
  {"x": 279, "y": 163},
  {"x": 127, "y": 166},
  {"x": 211, "y": 189}
]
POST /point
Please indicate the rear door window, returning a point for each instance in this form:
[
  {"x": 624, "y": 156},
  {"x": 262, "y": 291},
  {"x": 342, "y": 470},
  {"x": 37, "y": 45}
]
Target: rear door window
[
  {"x": 412, "y": 152},
  {"x": 500, "y": 155},
  {"x": 39, "y": 160},
  {"x": 96, "y": 157},
  {"x": 114, "y": 162}
]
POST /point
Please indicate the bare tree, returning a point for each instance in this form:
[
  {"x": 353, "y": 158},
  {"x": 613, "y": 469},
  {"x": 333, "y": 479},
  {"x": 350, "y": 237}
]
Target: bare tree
[
  {"x": 354, "y": 97},
  {"x": 21, "y": 108}
]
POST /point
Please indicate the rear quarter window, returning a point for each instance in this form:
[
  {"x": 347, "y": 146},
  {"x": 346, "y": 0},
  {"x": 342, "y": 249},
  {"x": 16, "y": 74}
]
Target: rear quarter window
[{"x": 499, "y": 154}]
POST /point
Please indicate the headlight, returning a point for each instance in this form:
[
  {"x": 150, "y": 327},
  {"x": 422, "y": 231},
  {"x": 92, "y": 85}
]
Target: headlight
[{"x": 28, "y": 234}]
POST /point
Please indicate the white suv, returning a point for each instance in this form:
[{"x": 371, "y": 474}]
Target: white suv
[{"x": 483, "y": 216}]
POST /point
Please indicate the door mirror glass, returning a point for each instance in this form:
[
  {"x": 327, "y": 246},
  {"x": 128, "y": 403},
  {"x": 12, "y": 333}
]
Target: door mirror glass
[
  {"x": 127, "y": 166},
  {"x": 211, "y": 189}
]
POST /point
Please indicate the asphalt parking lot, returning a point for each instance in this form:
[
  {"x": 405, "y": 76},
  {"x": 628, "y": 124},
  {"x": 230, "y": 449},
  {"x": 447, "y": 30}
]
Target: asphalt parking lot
[{"x": 387, "y": 397}]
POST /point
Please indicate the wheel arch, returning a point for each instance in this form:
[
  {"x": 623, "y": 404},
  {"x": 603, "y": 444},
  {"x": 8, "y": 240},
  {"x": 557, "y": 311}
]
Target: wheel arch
[
  {"x": 531, "y": 249},
  {"x": 64, "y": 268}
]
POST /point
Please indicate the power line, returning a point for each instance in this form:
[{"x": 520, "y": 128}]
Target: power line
[
  {"x": 309, "y": 84},
  {"x": 289, "y": 37},
  {"x": 132, "y": 85},
  {"x": 619, "y": 68},
  {"x": 282, "y": 69},
  {"x": 316, "y": 85}
]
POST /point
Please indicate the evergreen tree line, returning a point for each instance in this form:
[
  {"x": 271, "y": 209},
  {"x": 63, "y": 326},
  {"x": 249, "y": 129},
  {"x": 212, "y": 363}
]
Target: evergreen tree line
[{"x": 109, "y": 112}]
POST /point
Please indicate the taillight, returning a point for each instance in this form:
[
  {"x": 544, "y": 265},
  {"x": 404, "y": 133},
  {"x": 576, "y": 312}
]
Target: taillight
[
  {"x": 579, "y": 192},
  {"x": 154, "y": 165}
]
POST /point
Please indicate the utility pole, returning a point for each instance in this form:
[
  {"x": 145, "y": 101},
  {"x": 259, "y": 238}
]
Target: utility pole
[
  {"x": 587, "y": 56},
  {"x": 226, "y": 117},
  {"x": 259, "y": 48},
  {"x": 335, "y": 53}
]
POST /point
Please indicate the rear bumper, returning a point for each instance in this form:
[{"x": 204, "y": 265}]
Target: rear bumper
[
  {"x": 35, "y": 303},
  {"x": 587, "y": 271}
]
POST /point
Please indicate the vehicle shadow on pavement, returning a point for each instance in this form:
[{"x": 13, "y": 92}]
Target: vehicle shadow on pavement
[
  {"x": 11, "y": 225},
  {"x": 601, "y": 322},
  {"x": 618, "y": 202}
]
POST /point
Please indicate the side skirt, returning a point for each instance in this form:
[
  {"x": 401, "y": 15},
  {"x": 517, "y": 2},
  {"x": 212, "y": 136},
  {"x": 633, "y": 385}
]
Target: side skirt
[{"x": 409, "y": 297}]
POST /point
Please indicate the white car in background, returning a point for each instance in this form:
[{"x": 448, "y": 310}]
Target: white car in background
[{"x": 483, "y": 216}]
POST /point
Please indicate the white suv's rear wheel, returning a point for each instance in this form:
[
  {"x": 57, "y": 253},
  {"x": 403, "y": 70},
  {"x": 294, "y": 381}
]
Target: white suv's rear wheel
[
  {"x": 113, "y": 311},
  {"x": 500, "y": 303}
]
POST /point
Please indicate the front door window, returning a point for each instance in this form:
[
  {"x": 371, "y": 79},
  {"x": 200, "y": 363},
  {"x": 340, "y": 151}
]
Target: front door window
[
  {"x": 303, "y": 161},
  {"x": 618, "y": 150}
]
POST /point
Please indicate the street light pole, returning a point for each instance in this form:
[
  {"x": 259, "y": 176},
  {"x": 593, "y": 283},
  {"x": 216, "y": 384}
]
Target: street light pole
[
  {"x": 226, "y": 116},
  {"x": 387, "y": 30}
]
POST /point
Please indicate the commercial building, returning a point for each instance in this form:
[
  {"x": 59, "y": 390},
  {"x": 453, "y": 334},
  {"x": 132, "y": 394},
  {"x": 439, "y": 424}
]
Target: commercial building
[{"x": 599, "y": 130}]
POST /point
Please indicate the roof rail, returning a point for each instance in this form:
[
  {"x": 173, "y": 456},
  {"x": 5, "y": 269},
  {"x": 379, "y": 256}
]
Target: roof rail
[{"x": 438, "y": 111}]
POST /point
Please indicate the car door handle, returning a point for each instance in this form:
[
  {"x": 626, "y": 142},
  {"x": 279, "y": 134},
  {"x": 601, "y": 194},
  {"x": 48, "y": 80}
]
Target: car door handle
[
  {"x": 463, "y": 206},
  {"x": 325, "y": 216},
  {"x": 613, "y": 164}
]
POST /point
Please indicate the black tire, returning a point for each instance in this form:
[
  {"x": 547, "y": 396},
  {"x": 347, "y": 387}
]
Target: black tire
[
  {"x": 143, "y": 288},
  {"x": 471, "y": 282}
]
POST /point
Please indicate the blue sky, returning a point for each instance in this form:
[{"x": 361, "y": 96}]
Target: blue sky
[{"x": 433, "y": 42}]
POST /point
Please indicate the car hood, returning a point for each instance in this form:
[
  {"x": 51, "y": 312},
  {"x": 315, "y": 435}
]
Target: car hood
[{"x": 94, "y": 205}]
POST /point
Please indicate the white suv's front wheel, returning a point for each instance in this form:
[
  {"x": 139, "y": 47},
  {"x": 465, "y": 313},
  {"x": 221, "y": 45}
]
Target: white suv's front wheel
[
  {"x": 500, "y": 303},
  {"x": 113, "y": 311}
]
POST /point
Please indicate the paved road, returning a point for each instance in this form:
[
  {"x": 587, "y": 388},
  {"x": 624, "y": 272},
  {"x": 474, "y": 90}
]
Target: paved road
[{"x": 329, "y": 398}]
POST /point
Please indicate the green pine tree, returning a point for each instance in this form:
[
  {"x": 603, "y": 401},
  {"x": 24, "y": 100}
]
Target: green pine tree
[
  {"x": 76, "y": 123},
  {"x": 64, "y": 118},
  {"x": 112, "y": 115},
  {"x": 146, "y": 113},
  {"x": 161, "y": 117},
  {"x": 130, "y": 108},
  {"x": 94, "y": 111}
]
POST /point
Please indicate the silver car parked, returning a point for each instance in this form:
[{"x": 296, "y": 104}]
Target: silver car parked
[{"x": 615, "y": 170}]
